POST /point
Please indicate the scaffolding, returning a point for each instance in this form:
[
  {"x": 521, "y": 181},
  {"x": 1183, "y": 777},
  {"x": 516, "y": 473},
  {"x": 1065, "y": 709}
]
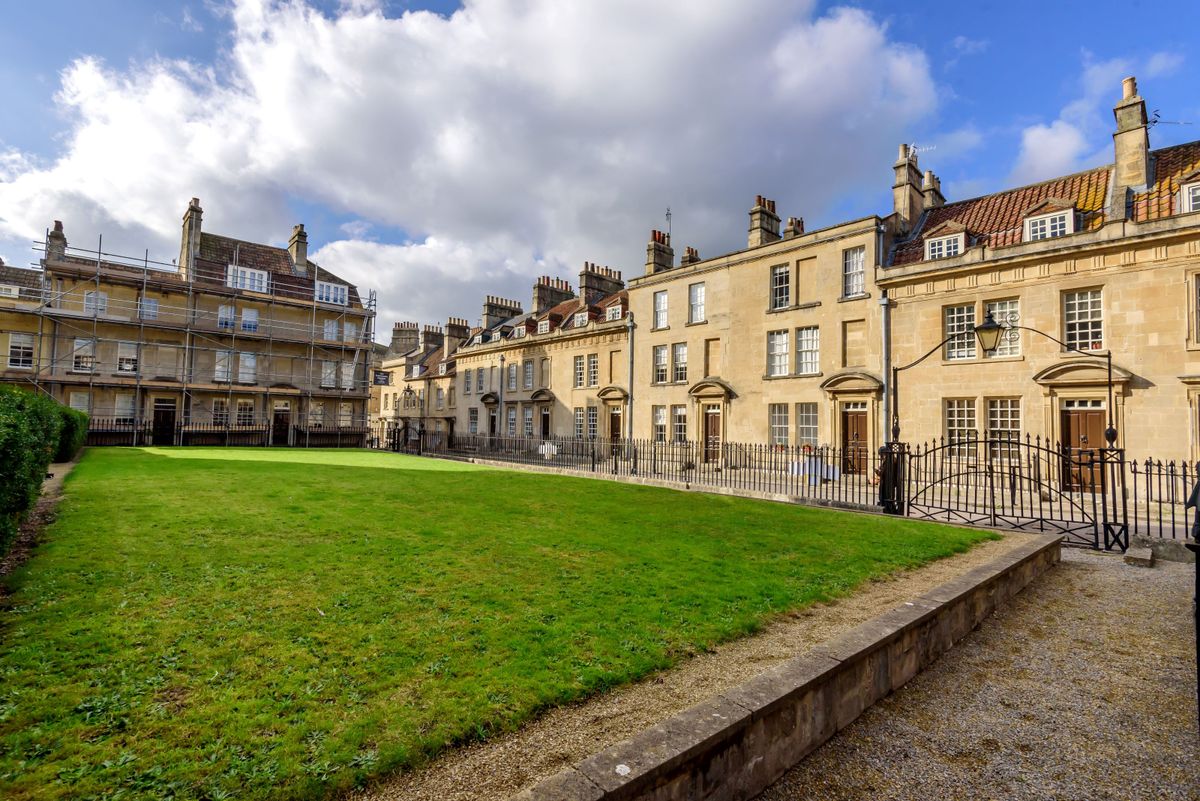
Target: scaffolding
[{"x": 175, "y": 334}]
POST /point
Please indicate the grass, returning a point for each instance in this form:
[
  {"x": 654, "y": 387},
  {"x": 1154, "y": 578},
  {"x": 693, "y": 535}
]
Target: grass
[{"x": 206, "y": 624}]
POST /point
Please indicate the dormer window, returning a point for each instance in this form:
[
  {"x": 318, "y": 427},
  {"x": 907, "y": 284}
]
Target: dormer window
[
  {"x": 442, "y": 368},
  {"x": 246, "y": 278},
  {"x": 614, "y": 313},
  {"x": 416, "y": 370},
  {"x": 543, "y": 326},
  {"x": 1049, "y": 226},
  {"x": 581, "y": 319},
  {"x": 331, "y": 293},
  {"x": 1189, "y": 197},
  {"x": 518, "y": 333},
  {"x": 944, "y": 247}
]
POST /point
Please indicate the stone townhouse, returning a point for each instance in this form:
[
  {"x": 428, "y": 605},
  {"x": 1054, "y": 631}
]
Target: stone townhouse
[
  {"x": 237, "y": 342},
  {"x": 1106, "y": 261}
]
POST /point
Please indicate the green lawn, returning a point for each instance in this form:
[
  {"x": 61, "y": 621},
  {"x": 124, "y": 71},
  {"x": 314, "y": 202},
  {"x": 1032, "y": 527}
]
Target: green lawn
[{"x": 208, "y": 623}]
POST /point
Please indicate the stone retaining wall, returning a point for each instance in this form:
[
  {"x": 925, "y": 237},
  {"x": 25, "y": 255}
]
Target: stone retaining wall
[{"x": 733, "y": 746}]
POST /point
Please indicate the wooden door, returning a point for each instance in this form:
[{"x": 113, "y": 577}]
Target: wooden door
[
  {"x": 712, "y": 432},
  {"x": 614, "y": 423},
  {"x": 164, "y": 421},
  {"x": 281, "y": 423},
  {"x": 854, "y": 442},
  {"x": 1082, "y": 432},
  {"x": 493, "y": 418},
  {"x": 545, "y": 422}
]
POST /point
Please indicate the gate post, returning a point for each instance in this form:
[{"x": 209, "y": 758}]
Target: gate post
[
  {"x": 1115, "y": 510},
  {"x": 891, "y": 474}
]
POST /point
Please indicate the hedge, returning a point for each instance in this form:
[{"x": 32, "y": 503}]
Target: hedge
[{"x": 34, "y": 430}]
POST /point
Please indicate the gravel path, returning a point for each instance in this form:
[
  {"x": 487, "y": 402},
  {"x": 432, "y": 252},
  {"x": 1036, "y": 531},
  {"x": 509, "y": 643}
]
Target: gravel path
[
  {"x": 500, "y": 768},
  {"x": 1083, "y": 687}
]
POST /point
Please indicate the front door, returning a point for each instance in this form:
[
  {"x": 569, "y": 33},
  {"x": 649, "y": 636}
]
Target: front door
[
  {"x": 545, "y": 422},
  {"x": 1082, "y": 438},
  {"x": 614, "y": 423},
  {"x": 854, "y": 441},
  {"x": 712, "y": 432},
  {"x": 493, "y": 416},
  {"x": 281, "y": 422},
  {"x": 164, "y": 421}
]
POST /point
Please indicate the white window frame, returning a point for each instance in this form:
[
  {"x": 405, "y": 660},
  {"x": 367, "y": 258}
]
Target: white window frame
[
  {"x": 479, "y": 380},
  {"x": 441, "y": 368},
  {"x": 679, "y": 429},
  {"x": 679, "y": 360},
  {"x": 247, "y": 368},
  {"x": 945, "y": 247},
  {"x": 612, "y": 313},
  {"x": 123, "y": 408},
  {"x": 95, "y": 302},
  {"x": 148, "y": 308},
  {"x": 697, "y": 313},
  {"x": 1049, "y": 226},
  {"x": 780, "y": 287},
  {"x": 1189, "y": 197},
  {"x": 80, "y": 401},
  {"x": 1083, "y": 328},
  {"x": 20, "y": 351},
  {"x": 808, "y": 350},
  {"x": 249, "y": 320},
  {"x": 467, "y": 382},
  {"x": 958, "y": 321},
  {"x": 777, "y": 423},
  {"x": 316, "y": 414},
  {"x": 659, "y": 365},
  {"x": 328, "y": 292},
  {"x": 580, "y": 320},
  {"x": 593, "y": 369},
  {"x": 593, "y": 422},
  {"x": 9, "y": 291},
  {"x": 518, "y": 332},
  {"x": 778, "y": 353},
  {"x": 511, "y": 420},
  {"x": 127, "y": 357},
  {"x": 854, "y": 272},
  {"x": 580, "y": 367},
  {"x": 660, "y": 309},
  {"x": 961, "y": 425},
  {"x": 345, "y": 414},
  {"x": 244, "y": 412},
  {"x": 1004, "y": 426},
  {"x": 226, "y": 317},
  {"x": 473, "y": 420},
  {"x": 527, "y": 374},
  {"x": 246, "y": 278},
  {"x": 220, "y": 412},
  {"x": 347, "y": 375},
  {"x": 543, "y": 327},
  {"x": 83, "y": 356},
  {"x": 527, "y": 421},
  {"x": 350, "y": 331},
  {"x": 807, "y": 424},
  {"x": 222, "y": 366},
  {"x": 658, "y": 422},
  {"x": 579, "y": 422},
  {"x": 512, "y": 377},
  {"x": 329, "y": 374}
]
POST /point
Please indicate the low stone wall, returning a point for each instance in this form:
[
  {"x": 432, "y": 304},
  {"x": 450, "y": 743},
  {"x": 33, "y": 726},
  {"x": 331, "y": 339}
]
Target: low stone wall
[{"x": 735, "y": 745}]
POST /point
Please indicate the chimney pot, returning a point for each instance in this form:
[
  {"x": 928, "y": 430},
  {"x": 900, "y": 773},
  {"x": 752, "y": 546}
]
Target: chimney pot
[{"x": 1128, "y": 87}]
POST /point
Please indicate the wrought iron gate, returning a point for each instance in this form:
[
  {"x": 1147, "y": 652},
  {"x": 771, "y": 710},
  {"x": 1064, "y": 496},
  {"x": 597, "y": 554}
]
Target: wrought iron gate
[{"x": 1025, "y": 484}]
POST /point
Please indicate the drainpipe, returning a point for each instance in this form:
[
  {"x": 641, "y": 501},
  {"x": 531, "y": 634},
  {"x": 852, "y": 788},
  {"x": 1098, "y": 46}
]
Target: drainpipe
[
  {"x": 629, "y": 411},
  {"x": 886, "y": 325}
]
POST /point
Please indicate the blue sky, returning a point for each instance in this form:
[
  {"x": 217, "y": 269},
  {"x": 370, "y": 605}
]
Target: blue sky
[{"x": 513, "y": 140}]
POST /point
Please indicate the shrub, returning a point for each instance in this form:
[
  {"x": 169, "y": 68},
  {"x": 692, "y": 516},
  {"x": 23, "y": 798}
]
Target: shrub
[
  {"x": 29, "y": 429},
  {"x": 72, "y": 435}
]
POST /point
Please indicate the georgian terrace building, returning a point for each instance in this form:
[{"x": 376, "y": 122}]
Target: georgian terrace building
[
  {"x": 792, "y": 339},
  {"x": 238, "y": 342}
]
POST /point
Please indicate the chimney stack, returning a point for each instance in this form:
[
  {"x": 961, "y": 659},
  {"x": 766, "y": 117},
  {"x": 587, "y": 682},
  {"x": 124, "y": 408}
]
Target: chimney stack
[
  {"x": 56, "y": 243},
  {"x": 548, "y": 292},
  {"x": 404, "y": 338},
  {"x": 908, "y": 201},
  {"x": 659, "y": 255},
  {"x": 298, "y": 248},
  {"x": 764, "y": 222},
  {"x": 690, "y": 256},
  {"x": 596, "y": 282},
  {"x": 431, "y": 338},
  {"x": 496, "y": 310},
  {"x": 189, "y": 247},
  {"x": 457, "y": 332},
  {"x": 795, "y": 227},
  {"x": 931, "y": 189},
  {"x": 1131, "y": 143}
]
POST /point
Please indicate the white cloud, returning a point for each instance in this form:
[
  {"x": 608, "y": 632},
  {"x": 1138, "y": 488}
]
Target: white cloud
[
  {"x": 964, "y": 46},
  {"x": 509, "y": 140},
  {"x": 1079, "y": 138}
]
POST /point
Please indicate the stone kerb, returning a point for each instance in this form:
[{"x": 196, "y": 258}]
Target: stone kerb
[{"x": 734, "y": 745}]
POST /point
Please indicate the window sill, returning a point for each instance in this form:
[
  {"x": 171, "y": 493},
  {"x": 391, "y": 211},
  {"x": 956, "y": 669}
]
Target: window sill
[
  {"x": 698, "y": 322},
  {"x": 663, "y": 328},
  {"x": 850, "y": 298},
  {"x": 979, "y": 360},
  {"x": 791, "y": 375},
  {"x": 20, "y": 367},
  {"x": 795, "y": 307},
  {"x": 1074, "y": 354}
]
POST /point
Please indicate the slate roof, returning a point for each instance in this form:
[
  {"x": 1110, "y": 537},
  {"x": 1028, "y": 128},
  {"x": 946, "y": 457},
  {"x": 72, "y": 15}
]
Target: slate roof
[
  {"x": 27, "y": 281},
  {"x": 218, "y": 252}
]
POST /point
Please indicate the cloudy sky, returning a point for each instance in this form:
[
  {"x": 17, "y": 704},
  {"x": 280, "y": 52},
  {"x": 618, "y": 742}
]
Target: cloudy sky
[{"x": 438, "y": 152}]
